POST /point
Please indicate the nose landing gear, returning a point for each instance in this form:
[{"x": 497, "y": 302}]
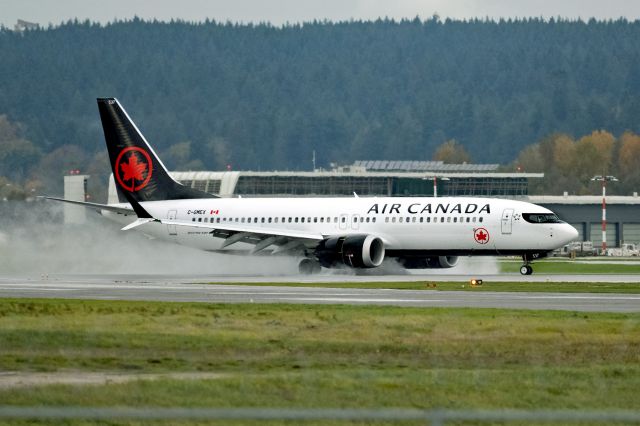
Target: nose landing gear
[{"x": 526, "y": 269}]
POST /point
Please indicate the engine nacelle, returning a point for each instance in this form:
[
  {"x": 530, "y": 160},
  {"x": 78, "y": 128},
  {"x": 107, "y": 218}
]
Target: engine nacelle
[
  {"x": 431, "y": 262},
  {"x": 356, "y": 251}
]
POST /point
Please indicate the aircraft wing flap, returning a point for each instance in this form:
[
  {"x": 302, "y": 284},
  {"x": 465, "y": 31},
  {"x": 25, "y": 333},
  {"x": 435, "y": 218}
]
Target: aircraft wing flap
[{"x": 257, "y": 231}]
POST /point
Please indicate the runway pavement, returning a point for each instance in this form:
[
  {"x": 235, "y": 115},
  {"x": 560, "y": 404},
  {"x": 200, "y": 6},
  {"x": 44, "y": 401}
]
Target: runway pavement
[{"x": 191, "y": 289}]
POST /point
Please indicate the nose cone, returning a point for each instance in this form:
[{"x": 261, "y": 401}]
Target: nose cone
[{"x": 568, "y": 233}]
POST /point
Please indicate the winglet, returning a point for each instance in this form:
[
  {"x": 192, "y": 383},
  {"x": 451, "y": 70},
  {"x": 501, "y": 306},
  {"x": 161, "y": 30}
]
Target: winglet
[
  {"x": 137, "y": 223},
  {"x": 143, "y": 215}
]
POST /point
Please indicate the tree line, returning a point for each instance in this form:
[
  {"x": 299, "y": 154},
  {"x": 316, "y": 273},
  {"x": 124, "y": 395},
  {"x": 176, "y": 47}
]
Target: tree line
[{"x": 217, "y": 95}]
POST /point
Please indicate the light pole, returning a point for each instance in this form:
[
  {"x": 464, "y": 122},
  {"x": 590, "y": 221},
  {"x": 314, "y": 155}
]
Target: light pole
[
  {"x": 604, "y": 179},
  {"x": 434, "y": 178}
]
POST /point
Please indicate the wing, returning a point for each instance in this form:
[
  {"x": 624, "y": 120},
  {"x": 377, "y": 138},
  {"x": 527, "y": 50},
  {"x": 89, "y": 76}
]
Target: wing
[
  {"x": 284, "y": 240},
  {"x": 261, "y": 238}
]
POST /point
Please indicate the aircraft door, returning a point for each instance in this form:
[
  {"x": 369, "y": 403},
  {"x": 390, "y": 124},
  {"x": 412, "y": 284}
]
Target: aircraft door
[
  {"x": 344, "y": 218},
  {"x": 507, "y": 221},
  {"x": 171, "y": 215},
  {"x": 355, "y": 221}
]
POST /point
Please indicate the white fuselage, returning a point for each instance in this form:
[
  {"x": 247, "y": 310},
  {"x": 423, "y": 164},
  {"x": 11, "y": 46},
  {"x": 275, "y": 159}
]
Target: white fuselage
[{"x": 458, "y": 225}]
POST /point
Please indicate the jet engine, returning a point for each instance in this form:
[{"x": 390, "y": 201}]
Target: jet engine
[
  {"x": 431, "y": 262},
  {"x": 356, "y": 251}
]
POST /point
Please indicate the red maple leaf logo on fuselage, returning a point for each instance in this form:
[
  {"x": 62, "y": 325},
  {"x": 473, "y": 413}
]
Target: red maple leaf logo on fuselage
[{"x": 481, "y": 236}]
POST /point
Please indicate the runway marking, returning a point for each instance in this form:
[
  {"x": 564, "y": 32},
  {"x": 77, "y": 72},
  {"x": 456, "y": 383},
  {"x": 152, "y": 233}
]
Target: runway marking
[
  {"x": 362, "y": 300},
  {"x": 178, "y": 290}
]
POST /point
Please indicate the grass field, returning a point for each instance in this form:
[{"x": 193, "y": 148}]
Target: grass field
[{"x": 319, "y": 356}]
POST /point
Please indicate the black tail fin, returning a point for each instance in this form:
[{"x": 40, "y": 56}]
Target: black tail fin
[{"x": 137, "y": 170}]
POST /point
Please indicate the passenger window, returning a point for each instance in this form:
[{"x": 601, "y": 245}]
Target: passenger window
[
  {"x": 368, "y": 220},
  {"x": 361, "y": 219},
  {"x": 429, "y": 219},
  {"x": 335, "y": 220},
  {"x": 480, "y": 220},
  {"x": 275, "y": 219},
  {"x": 296, "y": 220},
  {"x": 218, "y": 220},
  {"x": 386, "y": 219},
  {"x": 193, "y": 219},
  {"x": 315, "y": 220},
  {"x": 344, "y": 219},
  {"x": 243, "y": 219},
  {"x": 302, "y": 219},
  {"x": 322, "y": 220},
  {"x": 199, "y": 219},
  {"x": 421, "y": 219},
  {"x": 289, "y": 220},
  {"x": 393, "y": 219},
  {"x": 468, "y": 219},
  {"x": 448, "y": 220},
  {"x": 455, "y": 220},
  {"x": 269, "y": 220},
  {"x": 413, "y": 219},
  {"x": 373, "y": 220},
  {"x": 400, "y": 219},
  {"x": 474, "y": 219},
  {"x": 442, "y": 220}
]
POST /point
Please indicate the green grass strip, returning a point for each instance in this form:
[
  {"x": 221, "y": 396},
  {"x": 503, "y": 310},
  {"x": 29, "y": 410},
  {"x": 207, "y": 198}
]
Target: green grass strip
[{"x": 321, "y": 356}]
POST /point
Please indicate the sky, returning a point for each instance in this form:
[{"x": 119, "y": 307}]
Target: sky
[{"x": 282, "y": 11}]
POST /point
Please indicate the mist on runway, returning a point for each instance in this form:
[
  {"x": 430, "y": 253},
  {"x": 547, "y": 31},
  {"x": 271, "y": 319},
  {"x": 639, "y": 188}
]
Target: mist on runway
[{"x": 34, "y": 240}]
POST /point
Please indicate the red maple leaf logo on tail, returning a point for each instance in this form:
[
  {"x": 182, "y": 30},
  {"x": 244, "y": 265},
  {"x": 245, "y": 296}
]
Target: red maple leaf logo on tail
[
  {"x": 130, "y": 172},
  {"x": 133, "y": 169}
]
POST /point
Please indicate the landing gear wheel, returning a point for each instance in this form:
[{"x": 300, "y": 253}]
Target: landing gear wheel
[
  {"x": 526, "y": 270},
  {"x": 308, "y": 267}
]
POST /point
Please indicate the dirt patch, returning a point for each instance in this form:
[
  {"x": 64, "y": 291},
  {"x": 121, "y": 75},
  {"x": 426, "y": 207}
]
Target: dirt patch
[{"x": 10, "y": 380}]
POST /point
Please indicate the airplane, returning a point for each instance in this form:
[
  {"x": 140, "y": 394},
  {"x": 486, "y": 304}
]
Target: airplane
[{"x": 358, "y": 232}]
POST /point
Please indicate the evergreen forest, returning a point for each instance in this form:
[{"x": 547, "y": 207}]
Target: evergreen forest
[{"x": 214, "y": 95}]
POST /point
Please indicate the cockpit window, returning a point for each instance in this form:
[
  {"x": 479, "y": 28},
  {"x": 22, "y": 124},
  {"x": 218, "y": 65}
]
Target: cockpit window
[{"x": 541, "y": 218}]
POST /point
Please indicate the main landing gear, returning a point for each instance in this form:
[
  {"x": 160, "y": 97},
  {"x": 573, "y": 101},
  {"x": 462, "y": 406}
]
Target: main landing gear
[
  {"x": 526, "y": 269},
  {"x": 309, "y": 267}
]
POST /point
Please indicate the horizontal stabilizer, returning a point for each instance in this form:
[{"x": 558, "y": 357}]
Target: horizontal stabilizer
[{"x": 95, "y": 206}]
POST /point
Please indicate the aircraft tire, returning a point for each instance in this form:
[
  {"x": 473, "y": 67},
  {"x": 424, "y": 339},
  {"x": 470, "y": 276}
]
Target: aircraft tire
[
  {"x": 309, "y": 267},
  {"x": 526, "y": 270}
]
